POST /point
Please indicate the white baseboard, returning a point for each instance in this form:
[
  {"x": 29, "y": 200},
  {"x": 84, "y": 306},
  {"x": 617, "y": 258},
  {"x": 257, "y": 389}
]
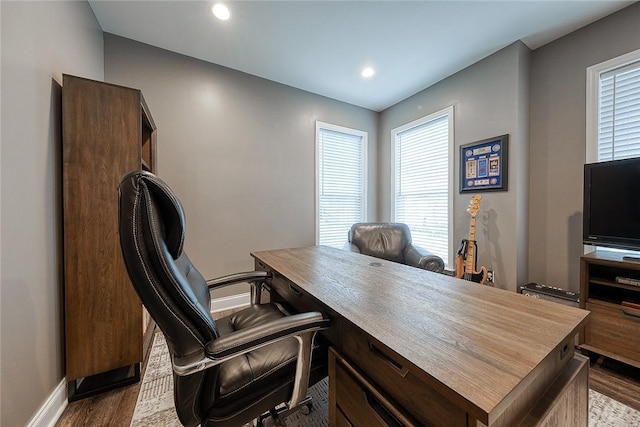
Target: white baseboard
[
  {"x": 52, "y": 408},
  {"x": 232, "y": 301}
]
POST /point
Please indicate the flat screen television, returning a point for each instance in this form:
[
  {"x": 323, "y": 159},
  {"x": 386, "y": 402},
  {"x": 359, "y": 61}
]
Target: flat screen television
[{"x": 612, "y": 204}]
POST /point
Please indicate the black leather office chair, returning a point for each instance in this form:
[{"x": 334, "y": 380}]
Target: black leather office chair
[
  {"x": 391, "y": 241},
  {"x": 226, "y": 372}
]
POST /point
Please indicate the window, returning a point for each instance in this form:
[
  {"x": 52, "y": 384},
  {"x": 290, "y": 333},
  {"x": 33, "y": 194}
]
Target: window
[
  {"x": 341, "y": 182},
  {"x": 422, "y": 158},
  {"x": 613, "y": 109}
]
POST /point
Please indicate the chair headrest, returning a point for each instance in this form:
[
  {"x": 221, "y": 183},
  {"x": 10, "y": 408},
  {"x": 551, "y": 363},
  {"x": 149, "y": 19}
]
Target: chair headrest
[{"x": 144, "y": 184}]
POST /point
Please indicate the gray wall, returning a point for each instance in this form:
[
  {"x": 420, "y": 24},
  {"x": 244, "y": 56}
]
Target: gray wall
[
  {"x": 230, "y": 143},
  {"x": 238, "y": 150},
  {"x": 557, "y": 142},
  {"x": 40, "y": 41},
  {"x": 490, "y": 98}
]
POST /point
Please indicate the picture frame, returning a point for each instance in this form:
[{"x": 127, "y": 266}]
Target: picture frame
[{"x": 484, "y": 165}]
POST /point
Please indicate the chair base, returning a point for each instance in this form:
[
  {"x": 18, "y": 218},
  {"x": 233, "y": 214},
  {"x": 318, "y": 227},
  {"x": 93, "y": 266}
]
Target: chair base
[{"x": 276, "y": 416}]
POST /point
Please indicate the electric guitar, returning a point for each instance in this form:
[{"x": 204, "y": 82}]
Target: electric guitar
[{"x": 466, "y": 255}]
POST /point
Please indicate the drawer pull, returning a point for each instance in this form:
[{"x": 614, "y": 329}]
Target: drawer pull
[
  {"x": 400, "y": 370},
  {"x": 564, "y": 351},
  {"x": 381, "y": 411},
  {"x": 295, "y": 290},
  {"x": 373, "y": 394},
  {"x": 631, "y": 313}
]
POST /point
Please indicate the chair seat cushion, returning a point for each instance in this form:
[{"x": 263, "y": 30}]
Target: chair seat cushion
[
  {"x": 261, "y": 377},
  {"x": 239, "y": 372}
]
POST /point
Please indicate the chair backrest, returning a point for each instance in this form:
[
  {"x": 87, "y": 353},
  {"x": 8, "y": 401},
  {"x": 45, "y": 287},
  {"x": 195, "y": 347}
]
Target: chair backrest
[
  {"x": 152, "y": 231},
  {"x": 386, "y": 240}
]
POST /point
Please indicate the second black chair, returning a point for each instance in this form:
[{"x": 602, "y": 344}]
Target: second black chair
[{"x": 391, "y": 241}]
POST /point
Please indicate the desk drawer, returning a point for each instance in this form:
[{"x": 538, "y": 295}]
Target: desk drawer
[
  {"x": 303, "y": 302},
  {"x": 359, "y": 403},
  {"x": 614, "y": 328},
  {"x": 394, "y": 376}
]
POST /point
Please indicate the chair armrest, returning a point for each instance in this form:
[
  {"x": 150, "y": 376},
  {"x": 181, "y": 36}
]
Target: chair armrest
[
  {"x": 351, "y": 247},
  {"x": 422, "y": 258},
  {"x": 248, "y": 276},
  {"x": 249, "y": 339},
  {"x": 246, "y": 340},
  {"x": 255, "y": 278}
]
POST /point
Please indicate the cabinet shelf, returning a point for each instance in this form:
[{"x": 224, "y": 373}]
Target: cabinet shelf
[
  {"x": 615, "y": 284},
  {"x": 611, "y": 293}
]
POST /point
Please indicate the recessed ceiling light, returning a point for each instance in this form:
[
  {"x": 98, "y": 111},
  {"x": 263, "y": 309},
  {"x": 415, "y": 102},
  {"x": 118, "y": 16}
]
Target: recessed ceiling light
[
  {"x": 221, "y": 11},
  {"x": 368, "y": 72}
]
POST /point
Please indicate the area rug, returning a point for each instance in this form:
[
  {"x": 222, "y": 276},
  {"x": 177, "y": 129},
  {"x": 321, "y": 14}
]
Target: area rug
[{"x": 155, "y": 400}]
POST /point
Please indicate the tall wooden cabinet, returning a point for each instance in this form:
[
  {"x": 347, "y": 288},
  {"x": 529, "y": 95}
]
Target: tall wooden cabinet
[{"x": 107, "y": 131}]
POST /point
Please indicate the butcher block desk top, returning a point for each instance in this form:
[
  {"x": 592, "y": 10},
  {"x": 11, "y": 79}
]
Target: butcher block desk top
[{"x": 480, "y": 346}]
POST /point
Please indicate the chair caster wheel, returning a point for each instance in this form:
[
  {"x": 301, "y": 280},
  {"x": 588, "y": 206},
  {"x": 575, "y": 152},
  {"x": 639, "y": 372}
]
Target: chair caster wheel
[{"x": 306, "y": 409}]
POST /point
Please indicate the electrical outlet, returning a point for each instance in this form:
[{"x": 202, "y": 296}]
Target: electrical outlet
[{"x": 490, "y": 277}]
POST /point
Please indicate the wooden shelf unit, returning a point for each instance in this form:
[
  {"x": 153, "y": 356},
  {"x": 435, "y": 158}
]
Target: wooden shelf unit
[
  {"x": 107, "y": 132},
  {"x": 615, "y": 307}
]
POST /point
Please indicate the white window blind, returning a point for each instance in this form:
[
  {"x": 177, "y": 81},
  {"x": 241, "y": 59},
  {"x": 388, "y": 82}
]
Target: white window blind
[
  {"x": 341, "y": 182},
  {"x": 619, "y": 113},
  {"x": 422, "y": 182}
]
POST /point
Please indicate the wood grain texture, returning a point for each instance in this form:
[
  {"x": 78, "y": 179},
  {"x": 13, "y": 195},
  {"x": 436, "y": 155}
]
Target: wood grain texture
[
  {"x": 473, "y": 344},
  {"x": 110, "y": 409},
  {"x": 566, "y": 403},
  {"x": 102, "y": 134},
  {"x": 390, "y": 373},
  {"x": 615, "y": 319},
  {"x": 610, "y": 329},
  {"x": 617, "y": 380},
  {"x": 360, "y": 400},
  {"x": 611, "y": 378}
]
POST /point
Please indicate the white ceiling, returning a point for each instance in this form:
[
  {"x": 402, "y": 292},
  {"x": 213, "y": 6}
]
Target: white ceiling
[{"x": 322, "y": 46}]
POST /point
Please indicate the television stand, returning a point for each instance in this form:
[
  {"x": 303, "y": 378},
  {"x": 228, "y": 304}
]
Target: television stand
[{"x": 610, "y": 289}]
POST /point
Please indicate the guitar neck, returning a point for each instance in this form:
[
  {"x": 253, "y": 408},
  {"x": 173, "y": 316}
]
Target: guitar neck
[{"x": 471, "y": 246}]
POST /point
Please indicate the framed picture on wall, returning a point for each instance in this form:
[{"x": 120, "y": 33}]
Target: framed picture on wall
[{"x": 483, "y": 165}]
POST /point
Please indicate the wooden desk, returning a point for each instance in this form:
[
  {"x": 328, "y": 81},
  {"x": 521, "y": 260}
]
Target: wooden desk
[{"x": 433, "y": 349}]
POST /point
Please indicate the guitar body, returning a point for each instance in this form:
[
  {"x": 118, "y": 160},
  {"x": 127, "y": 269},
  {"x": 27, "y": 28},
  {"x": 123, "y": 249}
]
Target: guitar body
[
  {"x": 460, "y": 261},
  {"x": 477, "y": 276},
  {"x": 461, "y": 266}
]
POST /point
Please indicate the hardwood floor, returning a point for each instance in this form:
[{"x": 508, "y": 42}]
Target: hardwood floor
[{"x": 115, "y": 408}]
